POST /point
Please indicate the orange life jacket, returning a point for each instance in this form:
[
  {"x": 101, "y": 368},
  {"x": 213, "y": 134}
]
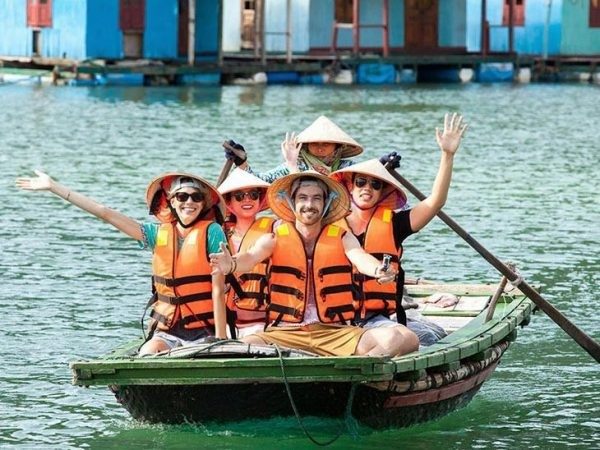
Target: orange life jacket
[
  {"x": 379, "y": 240},
  {"x": 288, "y": 281},
  {"x": 251, "y": 292},
  {"x": 182, "y": 278}
]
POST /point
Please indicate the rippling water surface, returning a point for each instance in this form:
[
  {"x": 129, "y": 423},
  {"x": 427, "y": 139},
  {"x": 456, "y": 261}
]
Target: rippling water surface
[{"x": 525, "y": 184}]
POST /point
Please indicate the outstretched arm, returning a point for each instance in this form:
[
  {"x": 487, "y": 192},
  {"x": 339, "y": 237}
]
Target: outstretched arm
[
  {"x": 225, "y": 264},
  {"x": 366, "y": 263},
  {"x": 218, "y": 298},
  {"x": 448, "y": 141},
  {"x": 120, "y": 221}
]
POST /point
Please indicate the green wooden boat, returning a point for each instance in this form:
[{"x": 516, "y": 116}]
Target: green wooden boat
[{"x": 229, "y": 380}]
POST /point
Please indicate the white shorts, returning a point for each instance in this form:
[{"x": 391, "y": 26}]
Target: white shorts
[{"x": 174, "y": 341}]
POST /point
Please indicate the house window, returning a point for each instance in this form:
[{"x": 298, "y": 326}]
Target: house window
[
  {"x": 39, "y": 13},
  {"x": 518, "y": 13},
  {"x": 594, "y": 13},
  {"x": 343, "y": 11}
]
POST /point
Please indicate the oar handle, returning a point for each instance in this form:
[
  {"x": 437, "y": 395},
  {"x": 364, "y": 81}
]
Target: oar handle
[
  {"x": 584, "y": 340},
  {"x": 226, "y": 167}
]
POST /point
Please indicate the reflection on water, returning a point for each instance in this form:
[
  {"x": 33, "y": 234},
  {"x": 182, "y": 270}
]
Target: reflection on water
[{"x": 525, "y": 185}]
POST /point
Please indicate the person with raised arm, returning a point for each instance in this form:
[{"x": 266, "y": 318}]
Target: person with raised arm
[
  {"x": 323, "y": 147},
  {"x": 381, "y": 226},
  {"x": 188, "y": 303}
]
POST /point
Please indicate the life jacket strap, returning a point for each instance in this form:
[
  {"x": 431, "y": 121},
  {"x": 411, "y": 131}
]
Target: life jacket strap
[
  {"x": 386, "y": 296},
  {"x": 283, "y": 310},
  {"x": 174, "y": 282},
  {"x": 287, "y": 290},
  {"x": 339, "y": 311},
  {"x": 184, "y": 298},
  {"x": 379, "y": 255},
  {"x": 204, "y": 317},
  {"x": 340, "y": 288},
  {"x": 289, "y": 270},
  {"x": 334, "y": 270},
  {"x": 251, "y": 277},
  {"x": 158, "y": 317}
]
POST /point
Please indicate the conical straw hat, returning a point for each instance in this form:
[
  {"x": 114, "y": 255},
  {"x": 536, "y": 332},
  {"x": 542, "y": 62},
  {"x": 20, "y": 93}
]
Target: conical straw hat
[
  {"x": 157, "y": 194},
  {"x": 324, "y": 130},
  {"x": 339, "y": 207},
  {"x": 393, "y": 195},
  {"x": 239, "y": 180}
]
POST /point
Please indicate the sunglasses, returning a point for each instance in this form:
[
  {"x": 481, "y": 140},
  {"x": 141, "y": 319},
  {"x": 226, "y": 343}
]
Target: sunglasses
[
  {"x": 362, "y": 182},
  {"x": 182, "y": 197},
  {"x": 252, "y": 195}
]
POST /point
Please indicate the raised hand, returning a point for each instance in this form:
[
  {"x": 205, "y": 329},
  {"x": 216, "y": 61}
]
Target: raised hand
[
  {"x": 235, "y": 152},
  {"x": 40, "y": 183},
  {"x": 449, "y": 139},
  {"x": 222, "y": 262},
  {"x": 385, "y": 275},
  {"x": 290, "y": 149}
]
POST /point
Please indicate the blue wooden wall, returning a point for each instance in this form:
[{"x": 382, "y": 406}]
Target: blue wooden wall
[
  {"x": 276, "y": 22},
  {"x": 104, "y": 38},
  {"x": 161, "y": 33},
  {"x": 15, "y": 37}
]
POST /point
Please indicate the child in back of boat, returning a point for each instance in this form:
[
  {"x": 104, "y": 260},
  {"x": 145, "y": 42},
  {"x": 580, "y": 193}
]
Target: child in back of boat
[
  {"x": 245, "y": 197},
  {"x": 188, "y": 302},
  {"x": 323, "y": 147}
]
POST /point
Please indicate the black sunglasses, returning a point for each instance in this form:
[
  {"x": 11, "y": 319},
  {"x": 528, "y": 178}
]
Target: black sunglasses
[
  {"x": 362, "y": 182},
  {"x": 182, "y": 197},
  {"x": 252, "y": 195}
]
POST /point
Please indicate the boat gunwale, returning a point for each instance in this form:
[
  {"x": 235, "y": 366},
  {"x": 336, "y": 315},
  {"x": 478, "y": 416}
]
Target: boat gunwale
[{"x": 466, "y": 342}]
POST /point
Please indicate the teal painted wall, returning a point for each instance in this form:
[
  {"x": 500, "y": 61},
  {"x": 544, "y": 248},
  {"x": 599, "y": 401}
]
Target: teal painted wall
[
  {"x": 452, "y": 23},
  {"x": 528, "y": 39},
  {"x": 207, "y": 28},
  {"x": 577, "y": 36}
]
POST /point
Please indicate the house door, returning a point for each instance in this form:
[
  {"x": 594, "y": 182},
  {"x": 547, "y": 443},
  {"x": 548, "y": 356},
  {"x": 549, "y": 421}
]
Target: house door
[
  {"x": 132, "y": 24},
  {"x": 249, "y": 17},
  {"x": 184, "y": 27},
  {"x": 421, "y": 25}
]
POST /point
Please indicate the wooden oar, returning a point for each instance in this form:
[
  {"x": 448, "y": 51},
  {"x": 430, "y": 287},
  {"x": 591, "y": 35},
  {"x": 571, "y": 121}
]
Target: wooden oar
[{"x": 584, "y": 340}]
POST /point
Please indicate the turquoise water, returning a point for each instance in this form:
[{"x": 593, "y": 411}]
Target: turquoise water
[{"x": 525, "y": 185}]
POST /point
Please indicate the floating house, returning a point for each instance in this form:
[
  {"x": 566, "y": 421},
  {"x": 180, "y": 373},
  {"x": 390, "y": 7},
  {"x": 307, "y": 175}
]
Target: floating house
[
  {"x": 330, "y": 26},
  {"x": 80, "y": 30}
]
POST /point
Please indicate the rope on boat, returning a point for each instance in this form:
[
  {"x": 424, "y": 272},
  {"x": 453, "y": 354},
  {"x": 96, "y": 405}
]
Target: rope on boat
[
  {"x": 435, "y": 380},
  {"x": 347, "y": 414}
]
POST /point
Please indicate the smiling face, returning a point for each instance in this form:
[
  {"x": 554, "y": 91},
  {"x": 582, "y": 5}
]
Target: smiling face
[
  {"x": 322, "y": 150},
  {"x": 245, "y": 203},
  {"x": 363, "y": 192},
  {"x": 188, "y": 203},
  {"x": 309, "y": 202}
]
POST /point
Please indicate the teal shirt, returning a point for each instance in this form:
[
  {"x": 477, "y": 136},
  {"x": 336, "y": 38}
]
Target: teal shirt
[{"x": 215, "y": 236}]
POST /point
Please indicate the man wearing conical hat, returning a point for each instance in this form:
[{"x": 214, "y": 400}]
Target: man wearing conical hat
[
  {"x": 323, "y": 147},
  {"x": 381, "y": 228},
  {"x": 310, "y": 272},
  {"x": 188, "y": 304},
  {"x": 245, "y": 197}
]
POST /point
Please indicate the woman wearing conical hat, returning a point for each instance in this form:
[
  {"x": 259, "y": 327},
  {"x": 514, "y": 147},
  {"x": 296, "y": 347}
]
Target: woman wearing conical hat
[
  {"x": 323, "y": 147},
  {"x": 188, "y": 303},
  {"x": 245, "y": 198},
  {"x": 381, "y": 228}
]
